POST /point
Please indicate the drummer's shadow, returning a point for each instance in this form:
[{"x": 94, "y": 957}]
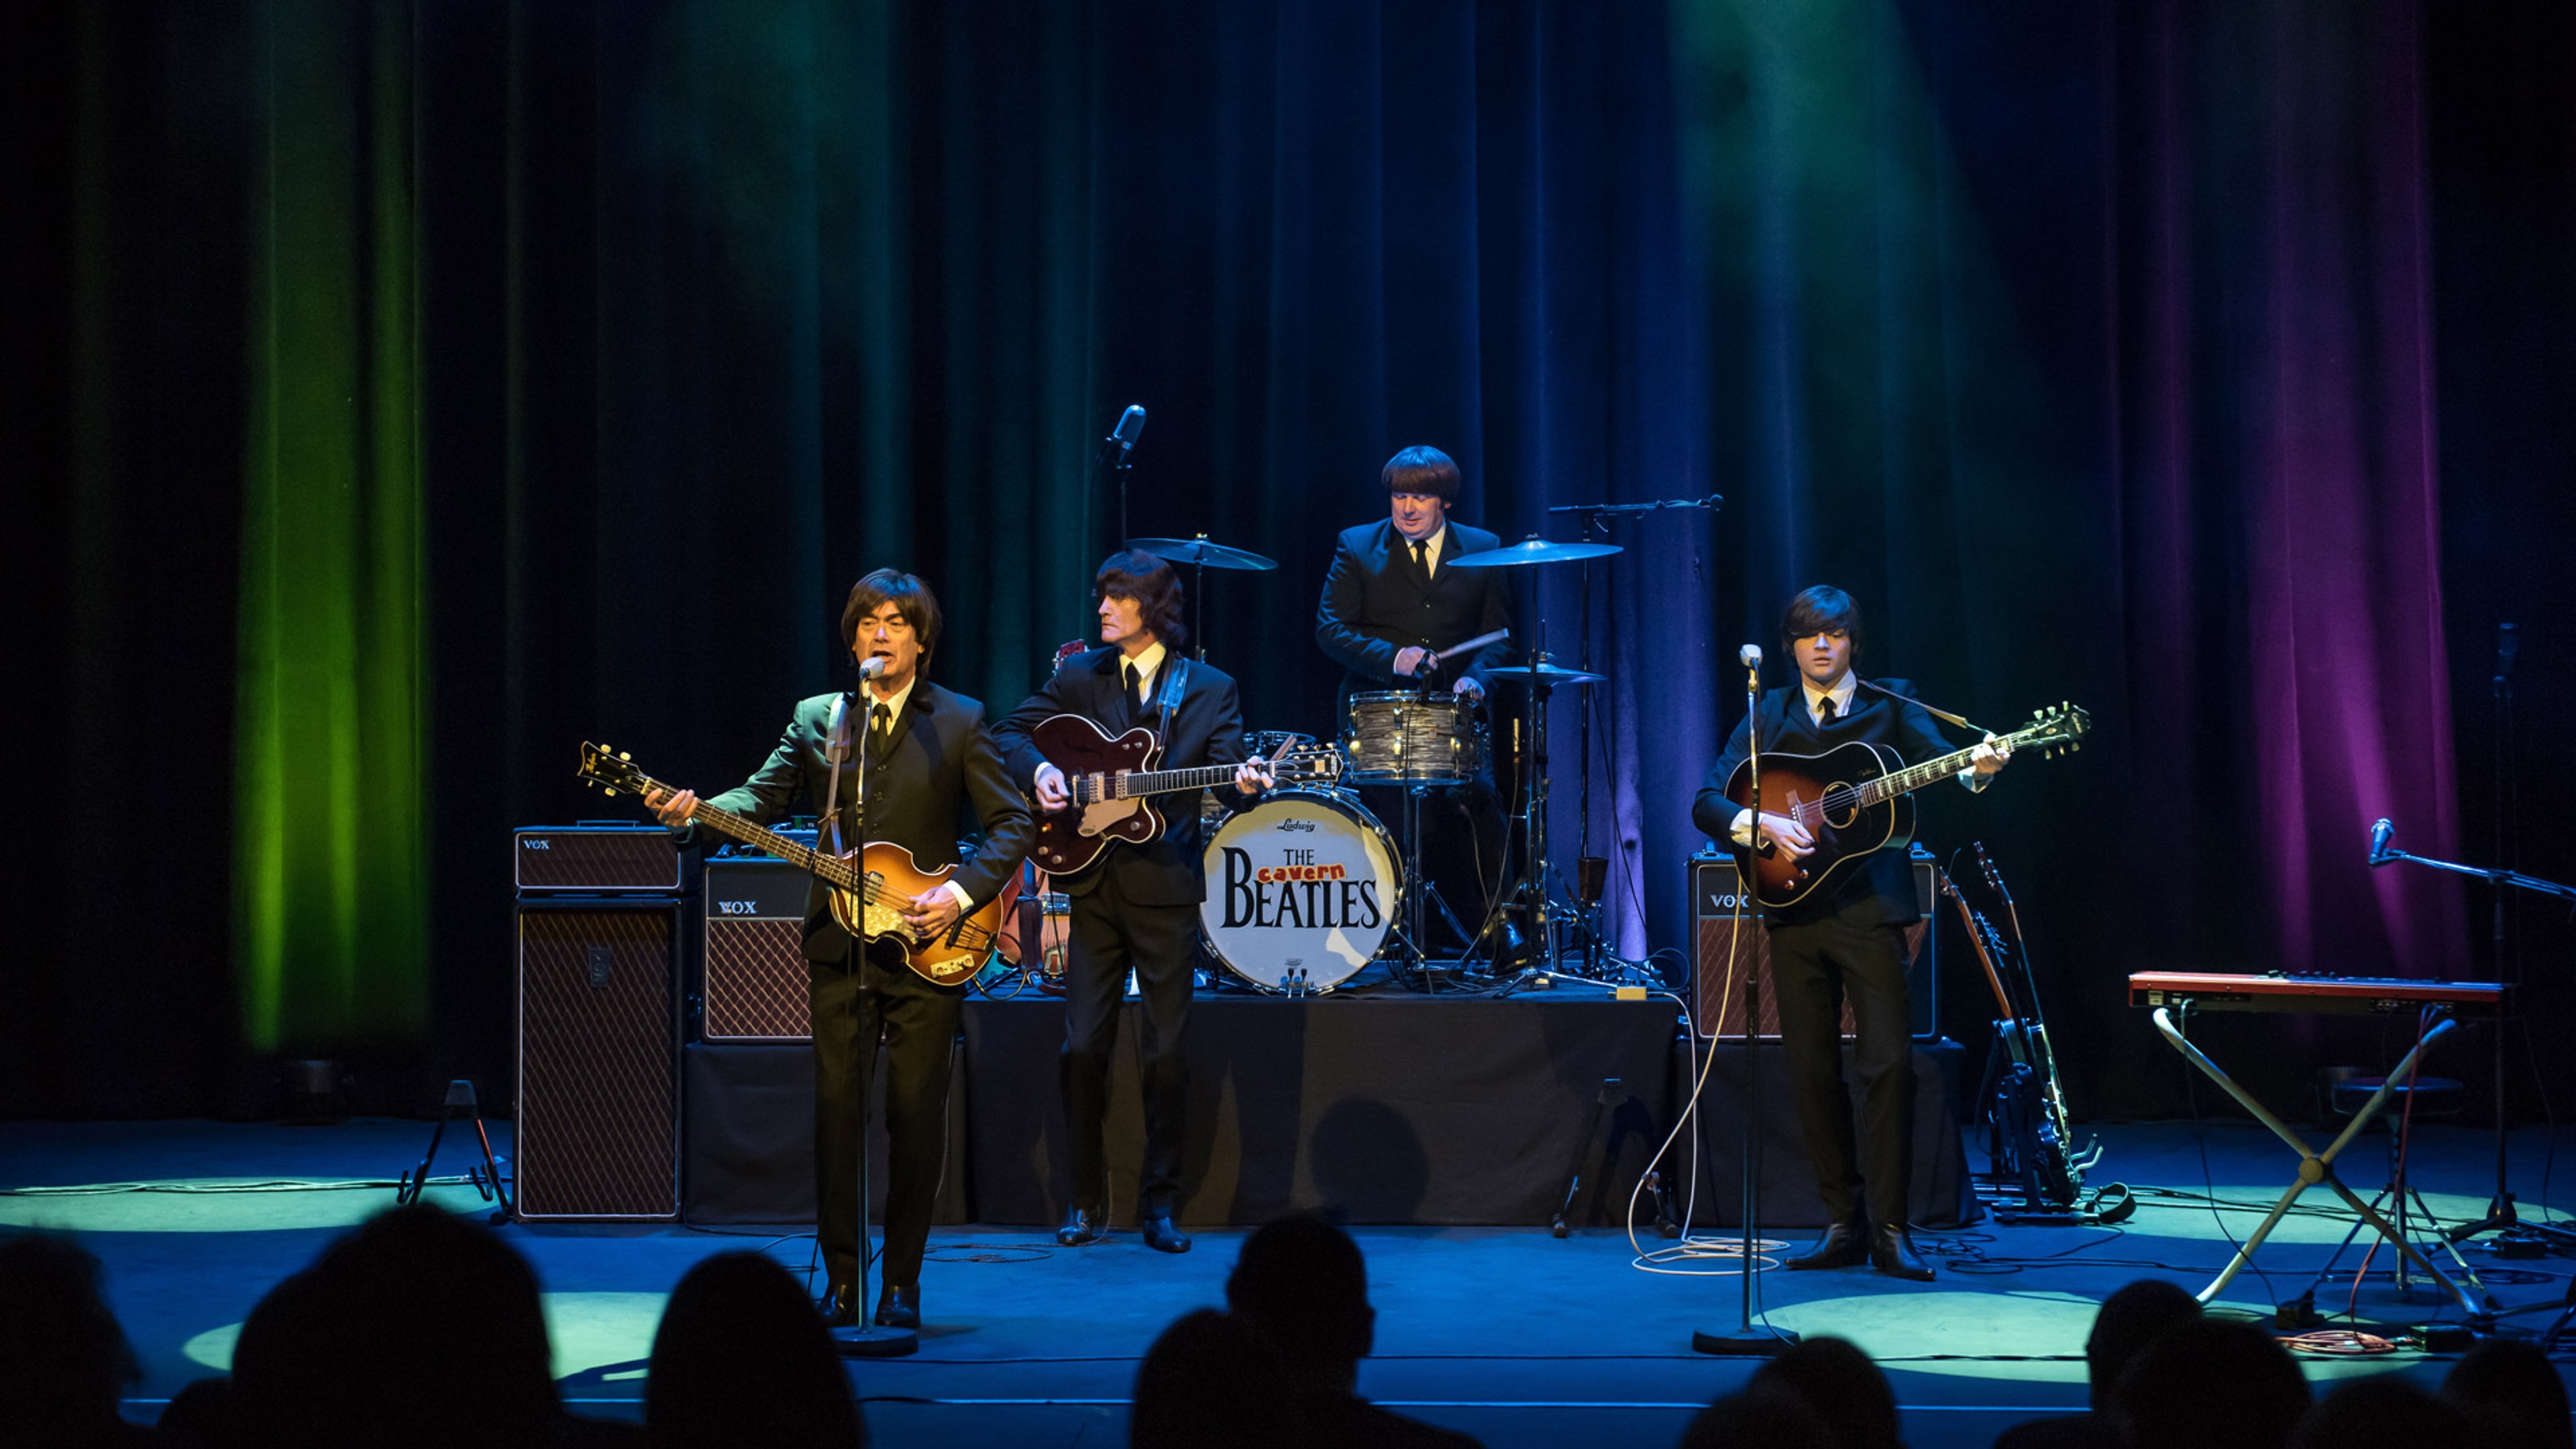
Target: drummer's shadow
[{"x": 1356, "y": 1159}]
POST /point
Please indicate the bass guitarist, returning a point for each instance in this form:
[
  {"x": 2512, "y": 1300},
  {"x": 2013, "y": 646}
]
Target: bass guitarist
[
  {"x": 927, "y": 758},
  {"x": 1847, "y": 943},
  {"x": 1136, "y": 907}
]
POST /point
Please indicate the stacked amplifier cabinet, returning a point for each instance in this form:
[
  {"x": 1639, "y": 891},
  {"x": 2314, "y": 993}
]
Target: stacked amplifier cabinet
[
  {"x": 1729, "y": 940},
  {"x": 600, "y": 923}
]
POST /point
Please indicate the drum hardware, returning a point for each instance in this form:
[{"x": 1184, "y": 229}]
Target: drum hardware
[{"x": 1201, "y": 556}]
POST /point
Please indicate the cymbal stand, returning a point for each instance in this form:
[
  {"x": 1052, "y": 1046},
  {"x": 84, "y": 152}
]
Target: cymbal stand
[{"x": 1595, "y": 518}]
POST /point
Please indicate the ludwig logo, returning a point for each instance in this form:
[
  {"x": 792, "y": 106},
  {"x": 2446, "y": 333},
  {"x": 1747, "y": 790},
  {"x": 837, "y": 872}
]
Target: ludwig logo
[{"x": 1307, "y": 826}]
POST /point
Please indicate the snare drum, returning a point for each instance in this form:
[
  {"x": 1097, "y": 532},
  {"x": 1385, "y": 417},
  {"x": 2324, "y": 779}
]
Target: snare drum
[
  {"x": 1301, "y": 891},
  {"x": 1399, "y": 737}
]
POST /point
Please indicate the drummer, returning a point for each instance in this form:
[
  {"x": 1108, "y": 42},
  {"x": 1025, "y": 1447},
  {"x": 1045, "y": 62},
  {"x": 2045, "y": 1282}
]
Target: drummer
[{"x": 1392, "y": 602}]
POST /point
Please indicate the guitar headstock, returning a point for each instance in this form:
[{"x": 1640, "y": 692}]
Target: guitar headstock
[
  {"x": 1994, "y": 877},
  {"x": 603, "y": 766},
  {"x": 2054, "y": 730},
  {"x": 1317, "y": 762}
]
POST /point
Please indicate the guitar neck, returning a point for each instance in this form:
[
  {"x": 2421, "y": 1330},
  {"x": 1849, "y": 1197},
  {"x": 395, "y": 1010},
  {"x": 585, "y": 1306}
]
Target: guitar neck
[
  {"x": 1915, "y": 777},
  {"x": 1134, "y": 784},
  {"x": 845, "y": 874}
]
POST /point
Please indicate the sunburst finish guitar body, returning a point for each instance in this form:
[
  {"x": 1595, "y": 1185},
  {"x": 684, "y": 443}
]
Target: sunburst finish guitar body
[{"x": 869, "y": 887}]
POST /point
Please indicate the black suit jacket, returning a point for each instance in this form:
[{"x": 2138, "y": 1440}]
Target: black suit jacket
[
  {"x": 1881, "y": 890},
  {"x": 934, "y": 778},
  {"x": 1375, "y": 605},
  {"x": 1207, "y": 729}
]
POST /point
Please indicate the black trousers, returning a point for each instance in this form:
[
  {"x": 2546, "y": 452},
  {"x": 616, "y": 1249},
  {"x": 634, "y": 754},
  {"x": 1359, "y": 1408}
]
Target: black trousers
[
  {"x": 854, "y": 1003},
  {"x": 1109, "y": 935},
  {"x": 1814, "y": 967}
]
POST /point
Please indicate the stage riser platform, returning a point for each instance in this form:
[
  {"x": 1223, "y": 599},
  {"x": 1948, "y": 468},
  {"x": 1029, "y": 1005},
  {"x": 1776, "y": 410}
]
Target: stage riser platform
[{"x": 1399, "y": 1111}]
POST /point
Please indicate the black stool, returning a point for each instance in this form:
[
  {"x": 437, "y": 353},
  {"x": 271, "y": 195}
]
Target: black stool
[{"x": 2433, "y": 1099}]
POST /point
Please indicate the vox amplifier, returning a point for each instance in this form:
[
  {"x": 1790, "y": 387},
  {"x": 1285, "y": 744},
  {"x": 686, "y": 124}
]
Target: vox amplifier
[
  {"x": 754, "y": 985},
  {"x": 596, "y": 860},
  {"x": 1730, "y": 940},
  {"x": 598, "y": 1030}
]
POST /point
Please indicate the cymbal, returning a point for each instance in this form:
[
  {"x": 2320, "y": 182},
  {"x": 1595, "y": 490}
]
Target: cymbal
[
  {"x": 1531, "y": 550},
  {"x": 1547, "y": 674},
  {"x": 1201, "y": 553}
]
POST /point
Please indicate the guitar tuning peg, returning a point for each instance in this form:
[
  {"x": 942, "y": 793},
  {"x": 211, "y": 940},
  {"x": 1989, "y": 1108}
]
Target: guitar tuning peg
[
  {"x": 625, "y": 756},
  {"x": 611, "y": 793}
]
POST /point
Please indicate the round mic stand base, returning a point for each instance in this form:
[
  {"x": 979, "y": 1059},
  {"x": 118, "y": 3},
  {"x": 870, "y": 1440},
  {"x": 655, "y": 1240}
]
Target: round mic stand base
[{"x": 866, "y": 1340}]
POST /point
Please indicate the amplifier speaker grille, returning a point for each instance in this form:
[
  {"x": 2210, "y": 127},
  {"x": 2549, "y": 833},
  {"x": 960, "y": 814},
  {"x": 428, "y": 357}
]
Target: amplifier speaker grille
[
  {"x": 1720, "y": 1000},
  {"x": 598, "y": 1123},
  {"x": 756, "y": 982}
]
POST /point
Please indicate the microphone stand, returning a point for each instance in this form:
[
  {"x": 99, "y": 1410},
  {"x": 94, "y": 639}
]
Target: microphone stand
[
  {"x": 2500, "y": 1214},
  {"x": 1749, "y": 1341},
  {"x": 865, "y": 1339}
]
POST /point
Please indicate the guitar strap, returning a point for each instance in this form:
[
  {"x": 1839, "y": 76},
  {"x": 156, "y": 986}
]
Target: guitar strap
[
  {"x": 1175, "y": 685},
  {"x": 1939, "y": 714}
]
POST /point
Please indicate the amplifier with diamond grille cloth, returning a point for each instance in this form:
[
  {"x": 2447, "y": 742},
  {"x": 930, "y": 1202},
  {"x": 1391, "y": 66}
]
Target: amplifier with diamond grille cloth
[
  {"x": 601, "y": 860},
  {"x": 754, "y": 988},
  {"x": 1730, "y": 943},
  {"x": 598, "y": 1028}
]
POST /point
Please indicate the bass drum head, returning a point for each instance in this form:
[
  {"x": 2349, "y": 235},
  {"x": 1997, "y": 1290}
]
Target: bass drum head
[{"x": 1301, "y": 891}]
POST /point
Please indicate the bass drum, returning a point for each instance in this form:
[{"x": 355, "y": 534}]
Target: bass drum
[{"x": 1301, "y": 891}]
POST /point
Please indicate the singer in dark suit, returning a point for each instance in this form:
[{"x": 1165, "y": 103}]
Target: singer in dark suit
[
  {"x": 931, "y": 770},
  {"x": 1392, "y": 599},
  {"x": 1137, "y": 906},
  {"x": 1849, "y": 945}
]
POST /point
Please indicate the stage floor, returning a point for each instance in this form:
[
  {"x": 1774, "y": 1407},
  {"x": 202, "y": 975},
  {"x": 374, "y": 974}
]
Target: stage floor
[{"x": 1506, "y": 1333}]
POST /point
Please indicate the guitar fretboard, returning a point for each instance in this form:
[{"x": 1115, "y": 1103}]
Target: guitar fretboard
[
  {"x": 1906, "y": 781},
  {"x": 1133, "y": 784}
]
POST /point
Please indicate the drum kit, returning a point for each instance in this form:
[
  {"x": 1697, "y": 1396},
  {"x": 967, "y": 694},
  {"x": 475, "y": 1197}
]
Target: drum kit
[{"x": 1307, "y": 887}]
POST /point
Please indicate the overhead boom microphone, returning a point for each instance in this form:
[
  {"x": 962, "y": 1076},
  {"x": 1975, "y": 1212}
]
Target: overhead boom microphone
[{"x": 2379, "y": 834}]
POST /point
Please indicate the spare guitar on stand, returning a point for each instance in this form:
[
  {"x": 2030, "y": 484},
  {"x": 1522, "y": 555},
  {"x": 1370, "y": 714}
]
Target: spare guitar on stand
[{"x": 2036, "y": 1168}]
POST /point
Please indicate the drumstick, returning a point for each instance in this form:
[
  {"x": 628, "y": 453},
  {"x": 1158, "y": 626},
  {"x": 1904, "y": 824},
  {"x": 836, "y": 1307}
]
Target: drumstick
[
  {"x": 1433, "y": 661},
  {"x": 1479, "y": 642}
]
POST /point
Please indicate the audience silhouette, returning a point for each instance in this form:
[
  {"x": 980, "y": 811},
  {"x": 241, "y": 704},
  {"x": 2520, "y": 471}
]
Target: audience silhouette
[
  {"x": 63, "y": 1358},
  {"x": 1211, "y": 1382},
  {"x": 1302, "y": 1284},
  {"x": 2127, "y": 1322},
  {"x": 423, "y": 1329},
  {"x": 742, "y": 1358},
  {"x": 1837, "y": 1380}
]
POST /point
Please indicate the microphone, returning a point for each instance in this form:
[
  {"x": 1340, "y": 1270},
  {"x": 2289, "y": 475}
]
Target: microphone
[
  {"x": 2379, "y": 841},
  {"x": 1750, "y": 656},
  {"x": 2508, "y": 643},
  {"x": 869, "y": 668},
  {"x": 1122, "y": 440}
]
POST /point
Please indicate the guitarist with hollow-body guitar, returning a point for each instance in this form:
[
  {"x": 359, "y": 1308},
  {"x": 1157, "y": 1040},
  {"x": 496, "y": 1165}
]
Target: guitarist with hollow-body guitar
[
  {"x": 1845, "y": 940},
  {"x": 1135, "y": 904}
]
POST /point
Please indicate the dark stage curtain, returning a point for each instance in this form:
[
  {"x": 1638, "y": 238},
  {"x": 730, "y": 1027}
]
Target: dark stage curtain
[{"x": 2203, "y": 367}]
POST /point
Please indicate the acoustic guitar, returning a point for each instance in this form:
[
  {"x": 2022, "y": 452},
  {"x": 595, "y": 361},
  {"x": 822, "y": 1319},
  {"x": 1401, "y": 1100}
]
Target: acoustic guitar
[
  {"x": 1856, "y": 799},
  {"x": 870, "y": 886}
]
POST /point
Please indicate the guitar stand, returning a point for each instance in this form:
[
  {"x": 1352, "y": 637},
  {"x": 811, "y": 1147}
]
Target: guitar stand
[
  {"x": 460, "y": 1093},
  {"x": 2315, "y": 1168}
]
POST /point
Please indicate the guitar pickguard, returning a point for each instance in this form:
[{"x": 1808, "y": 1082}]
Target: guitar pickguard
[{"x": 1106, "y": 816}]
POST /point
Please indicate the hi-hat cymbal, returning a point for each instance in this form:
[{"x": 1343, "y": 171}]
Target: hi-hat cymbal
[
  {"x": 1543, "y": 673},
  {"x": 1531, "y": 550},
  {"x": 1199, "y": 552}
]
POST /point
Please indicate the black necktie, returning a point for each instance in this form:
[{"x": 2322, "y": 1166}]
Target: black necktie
[
  {"x": 1135, "y": 697},
  {"x": 880, "y": 723},
  {"x": 1824, "y": 711},
  {"x": 1422, "y": 559}
]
